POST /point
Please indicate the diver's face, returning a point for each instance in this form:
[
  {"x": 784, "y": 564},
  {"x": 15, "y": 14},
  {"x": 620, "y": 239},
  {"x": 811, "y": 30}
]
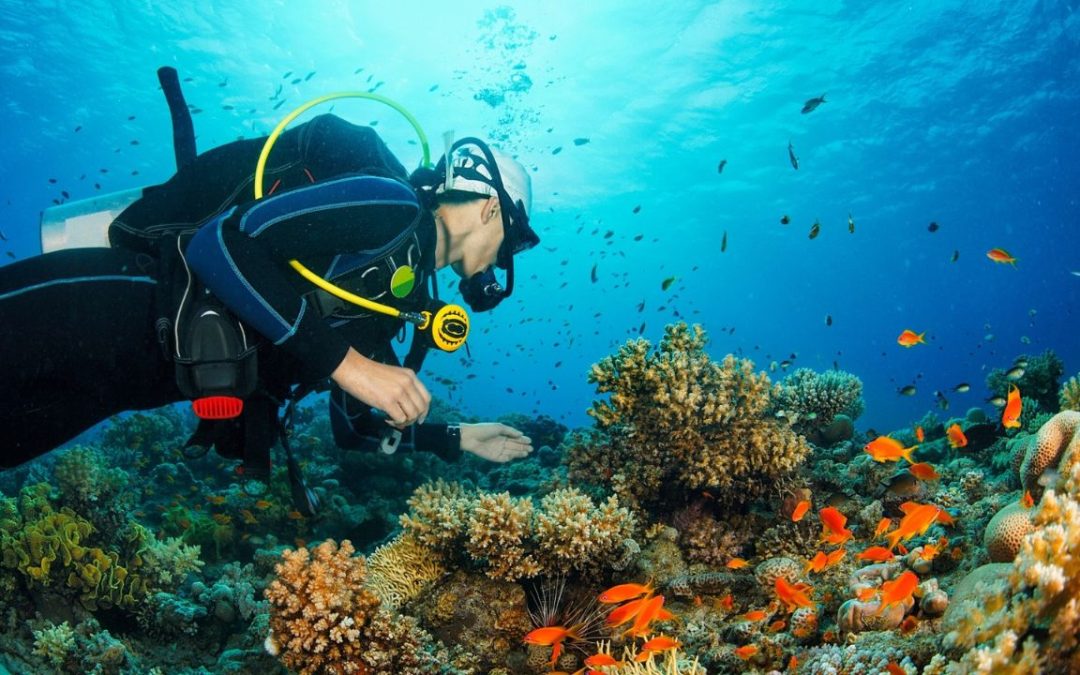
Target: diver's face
[{"x": 481, "y": 246}]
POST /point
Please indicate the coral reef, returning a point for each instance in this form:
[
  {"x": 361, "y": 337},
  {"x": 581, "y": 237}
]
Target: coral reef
[
  {"x": 676, "y": 421},
  {"x": 810, "y": 401}
]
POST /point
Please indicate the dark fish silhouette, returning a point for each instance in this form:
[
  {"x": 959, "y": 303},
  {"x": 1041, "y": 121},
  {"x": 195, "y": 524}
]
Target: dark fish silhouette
[
  {"x": 850, "y": 224},
  {"x": 932, "y": 227},
  {"x": 785, "y": 219},
  {"x": 721, "y": 165},
  {"x": 907, "y": 390},
  {"x": 812, "y": 104},
  {"x": 955, "y": 256},
  {"x": 279, "y": 104},
  {"x": 593, "y": 274},
  {"x": 580, "y": 141},
  {"x": 792, "y": 157},
  {"x": 557, "y": 150},
  {"x": 666, "y": 283},
  {"x": 309, "y": 76},
  {"x": 828, "y": 319},
  {"x": 723, "y": 242},
  {"x": 286, "y": 75},
  {"x": 637, "y": 209},
  {"x": 815, "y": 230}
]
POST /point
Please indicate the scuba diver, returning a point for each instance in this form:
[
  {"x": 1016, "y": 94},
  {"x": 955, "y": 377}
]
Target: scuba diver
[{"x": 246, "y": 305}]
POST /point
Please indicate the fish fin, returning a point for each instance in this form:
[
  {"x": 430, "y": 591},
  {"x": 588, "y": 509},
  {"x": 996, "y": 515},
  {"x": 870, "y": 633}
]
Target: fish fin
[{"x": 906, "y": 453}]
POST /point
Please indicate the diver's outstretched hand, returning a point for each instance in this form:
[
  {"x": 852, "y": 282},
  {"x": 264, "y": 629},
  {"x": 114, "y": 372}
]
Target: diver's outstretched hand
[
  {"x": 398, "y": 392},
  {"x": 495, "y": 442}
]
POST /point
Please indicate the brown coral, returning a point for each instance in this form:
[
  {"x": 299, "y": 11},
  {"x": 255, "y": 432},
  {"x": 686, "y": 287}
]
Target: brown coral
[
  {"x": 769, "y": 570},
  {"x": 676, "y": 420},
  {"x": 1006, "y": 531},
  {"x": 401, "y": 570},
  {"x": 318, "y": 607},
  {"x": 1055, "y": 438}
]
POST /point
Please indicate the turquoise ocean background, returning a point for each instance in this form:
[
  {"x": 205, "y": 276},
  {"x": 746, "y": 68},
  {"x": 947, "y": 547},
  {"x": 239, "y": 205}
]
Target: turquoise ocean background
[{"x": 966, "y": 114}]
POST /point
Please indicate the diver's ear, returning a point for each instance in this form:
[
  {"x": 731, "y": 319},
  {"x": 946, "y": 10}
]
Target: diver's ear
[{"x": 490, "y": 209}]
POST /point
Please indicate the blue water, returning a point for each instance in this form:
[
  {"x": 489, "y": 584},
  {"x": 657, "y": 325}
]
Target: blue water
[{"x": 965, "y": 114}]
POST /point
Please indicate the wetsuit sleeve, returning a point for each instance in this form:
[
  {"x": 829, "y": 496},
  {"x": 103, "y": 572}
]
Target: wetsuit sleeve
[
  {"x": 242, "y": 257},
  {"x": 356, "y": 428}
]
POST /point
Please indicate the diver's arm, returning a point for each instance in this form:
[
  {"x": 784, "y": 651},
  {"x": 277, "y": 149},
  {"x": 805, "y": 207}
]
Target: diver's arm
[{"x": 356, "y": 428}]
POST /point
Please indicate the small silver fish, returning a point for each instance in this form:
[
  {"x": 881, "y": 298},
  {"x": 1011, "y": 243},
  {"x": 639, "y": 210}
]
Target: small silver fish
[
  {"x": 792, "y": 157},
  {"x": 962, "y": 388},
  {"x": 812, "y": 104},
  {"x": 907, "y": 390},
  {"x": 1014, "y": 373},
  {"x": 850, "y": 224},
  {"x": 996, "y": 401}
]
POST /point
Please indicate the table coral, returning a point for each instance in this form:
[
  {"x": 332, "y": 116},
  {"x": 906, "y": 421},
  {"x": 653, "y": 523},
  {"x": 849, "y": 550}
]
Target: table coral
[{"x": 677, "y": 420}]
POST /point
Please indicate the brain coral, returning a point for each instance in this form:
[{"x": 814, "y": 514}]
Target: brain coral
[
  {"x": 1006, "y": 531},
  {"x": 676, "y": 420}
]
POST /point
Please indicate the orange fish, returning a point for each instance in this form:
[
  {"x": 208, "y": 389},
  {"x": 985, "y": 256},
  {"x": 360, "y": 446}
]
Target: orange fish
[
  {"x": 833, "y": 530},
  {"x": 793, "y": 663},
  {"x": 920, "y": 435},
  {"x": 624, "y": 613},
  {"x": 800, "y": 510},
  {"x": 885, "y": 449},
  {"x": 930, "y": 551},
  {"x": 552, "y": 636},
  {"x": 892, "y": 668},
  {"x": 777, "y": 626},
  {"x": 661, "y": 643},
  {"x": 248, "y": 516},
  {"x": 898, "y": 590},
  {"x": 792, "y": 596},
  {"x": 1027, "y": 501},
  {"x": 597, "y": 660},
  {"x": 1010, "y": 417},
  {"x": 736, "y": 564},
  {"x": 727, "y": 602},
  {"x": 866, "y": 593},
  {"x": 817, "y": 563},
  {"x": 910, "y": 338},
  {"x": 624, "y": 592},
  {"x": 754, "y": 615},
  {"x": 262, "y": 504},
  {"x": 1000, "y": 255},
  {"x": 295, "y": 515},
  {"x": 956, "y": 436},
  {"x": 876, "y": 554},
  {"x": 746, "y": 651},
  {"x": 835, "y": 557},
  {"x": 917, "y": 520},
  {"x": 650, "y": 612},
  {"x": 923, "y": 471},
  {"x": 882, "y": 527},
  {"x": 216, "y": 500},
  {"x": 221, "y": 518}
]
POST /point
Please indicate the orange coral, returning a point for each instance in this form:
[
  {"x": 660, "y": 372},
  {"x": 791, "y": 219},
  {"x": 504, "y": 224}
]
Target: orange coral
[{"x": 318, "y": 609}]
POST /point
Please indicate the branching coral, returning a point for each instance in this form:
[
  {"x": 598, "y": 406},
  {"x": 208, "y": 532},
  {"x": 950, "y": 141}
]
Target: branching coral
[
  {"x": 510, "y": 539},
  {"x": 318, "y": 607},
  {"x": 1069, "y": 396},
  {"x": 811, "y": 400},
  {"x": 677, "y": 420}
]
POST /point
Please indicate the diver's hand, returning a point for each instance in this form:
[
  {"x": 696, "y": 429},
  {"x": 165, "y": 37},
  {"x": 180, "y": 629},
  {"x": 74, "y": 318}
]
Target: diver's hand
[
  {"x": 393, "y": 390},
  {"x": 495, "y": 442}
]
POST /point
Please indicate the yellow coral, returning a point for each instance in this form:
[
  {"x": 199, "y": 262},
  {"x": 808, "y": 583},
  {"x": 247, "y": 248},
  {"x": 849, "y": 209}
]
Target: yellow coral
[
  {"x": 1006, "y": 531},
  {"x": 436, "y": 516},
  {"x": 1069, "y": 396},
  {"x": 318, "y": 607},
  {"x": 401, "y": 570},
  {"x": 498, "y": 529},
  {"x": 674, "y": 416},
  {"x": 575, "y": 534}
]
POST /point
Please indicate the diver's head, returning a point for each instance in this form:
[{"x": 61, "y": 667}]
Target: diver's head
[{"x": 482, "y": 203}]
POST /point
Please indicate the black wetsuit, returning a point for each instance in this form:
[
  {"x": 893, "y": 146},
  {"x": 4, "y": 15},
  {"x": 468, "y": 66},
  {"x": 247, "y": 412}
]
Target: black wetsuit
[{"x": 77, "y": 327}]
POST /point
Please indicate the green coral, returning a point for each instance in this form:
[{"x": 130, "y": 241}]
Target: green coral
[
  {"x": 55, "y": 643},
  {"x": 1069, "y": 396},
  {"x": 677, "y": 421},
  {"x": 52, "y": 549}
]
